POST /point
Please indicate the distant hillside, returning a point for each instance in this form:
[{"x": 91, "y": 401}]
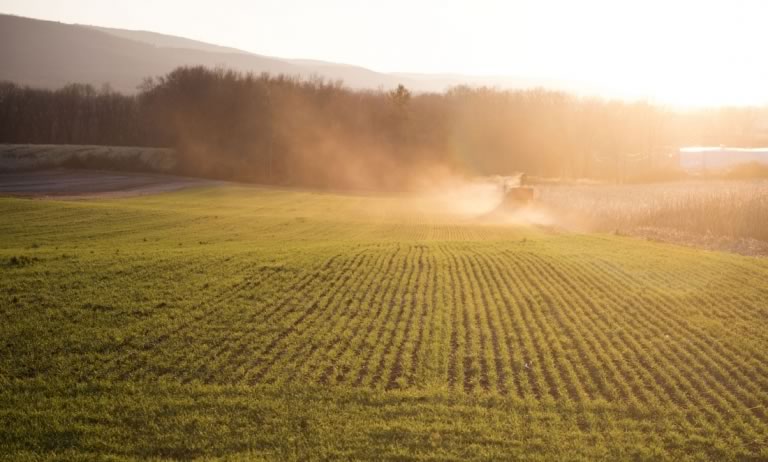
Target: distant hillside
[
  {"x": 166, "y": 41},
  {"x": 354, "y": 76},
  {"x": 51, "y": 54}
]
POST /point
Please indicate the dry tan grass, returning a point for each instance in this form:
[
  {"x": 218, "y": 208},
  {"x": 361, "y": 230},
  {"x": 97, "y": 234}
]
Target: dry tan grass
[{"x": 737, "y": 209}]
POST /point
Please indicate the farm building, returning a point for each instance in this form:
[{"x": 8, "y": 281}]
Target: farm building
[{"x": 696, "y": 159}]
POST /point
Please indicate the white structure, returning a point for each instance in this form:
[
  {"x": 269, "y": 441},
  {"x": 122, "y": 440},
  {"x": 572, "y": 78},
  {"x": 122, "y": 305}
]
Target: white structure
[{"x": 696, "y": 159}]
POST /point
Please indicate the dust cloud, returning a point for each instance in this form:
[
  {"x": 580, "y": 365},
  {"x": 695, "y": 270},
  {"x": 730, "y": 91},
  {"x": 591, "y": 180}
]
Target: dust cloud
[{"x": 481, "y": 200}]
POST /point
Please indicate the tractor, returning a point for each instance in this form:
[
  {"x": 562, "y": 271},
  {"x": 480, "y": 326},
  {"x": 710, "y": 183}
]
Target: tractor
[{"x": 515, "y": 193}]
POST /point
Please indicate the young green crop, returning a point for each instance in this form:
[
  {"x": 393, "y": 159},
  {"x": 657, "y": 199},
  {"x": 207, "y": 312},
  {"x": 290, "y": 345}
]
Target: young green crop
[{"x": 255, "y": 323}]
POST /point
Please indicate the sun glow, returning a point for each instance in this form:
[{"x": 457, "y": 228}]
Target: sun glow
[{"x": 685, "y": 53}]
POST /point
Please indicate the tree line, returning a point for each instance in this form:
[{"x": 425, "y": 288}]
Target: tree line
[{"x": 312, "y": 132}]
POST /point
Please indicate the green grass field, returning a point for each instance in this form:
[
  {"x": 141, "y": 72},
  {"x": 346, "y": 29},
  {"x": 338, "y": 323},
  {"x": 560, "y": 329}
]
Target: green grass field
[{"x": 245, "y": 324}]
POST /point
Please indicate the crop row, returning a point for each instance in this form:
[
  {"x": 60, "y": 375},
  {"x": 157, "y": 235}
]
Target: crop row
[{"x": 480, "y": 319}]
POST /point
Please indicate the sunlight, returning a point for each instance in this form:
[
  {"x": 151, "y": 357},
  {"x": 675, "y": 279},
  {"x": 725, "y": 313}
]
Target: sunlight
[{"x": 684, "y": 53}]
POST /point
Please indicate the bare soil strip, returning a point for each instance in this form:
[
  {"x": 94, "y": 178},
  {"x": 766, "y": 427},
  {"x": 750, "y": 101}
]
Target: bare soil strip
[{"x": 74, "y": 184}]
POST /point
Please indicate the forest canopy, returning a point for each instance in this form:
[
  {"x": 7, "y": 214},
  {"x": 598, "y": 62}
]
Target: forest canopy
[{"x": 311, "y": 132}]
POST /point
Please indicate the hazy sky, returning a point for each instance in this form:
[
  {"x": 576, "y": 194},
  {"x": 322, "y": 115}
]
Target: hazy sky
[{"x": 676, "y": 51}]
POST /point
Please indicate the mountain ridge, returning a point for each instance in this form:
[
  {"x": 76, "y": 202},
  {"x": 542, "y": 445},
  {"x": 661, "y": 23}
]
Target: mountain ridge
[{"x": 52, "y": 54}]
